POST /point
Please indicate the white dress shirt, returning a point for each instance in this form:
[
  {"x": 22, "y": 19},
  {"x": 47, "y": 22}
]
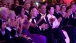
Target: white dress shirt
[{"x": 55, "y": 23}]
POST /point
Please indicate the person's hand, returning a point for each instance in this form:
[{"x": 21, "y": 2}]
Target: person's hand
[
  {"x": 42, "y": 26},
  {"x": 60, "y": 19},
  {"x": 52, "y": 20},
  {"x": 30, "y": 20},
  {"x": 46, "y": 26},
  {"x": 43, "y": 16}
]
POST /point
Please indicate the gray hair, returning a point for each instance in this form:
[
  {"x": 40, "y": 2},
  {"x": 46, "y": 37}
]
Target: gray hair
[{"x": 2, "y": 9}]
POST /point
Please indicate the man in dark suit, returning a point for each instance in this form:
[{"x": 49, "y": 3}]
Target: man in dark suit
[
  {"x": 57, "y": 13},
  {"x": 27, "y": 6},
  {"x": 46, "y": 29},
  {"x": 5, "y": 36}
]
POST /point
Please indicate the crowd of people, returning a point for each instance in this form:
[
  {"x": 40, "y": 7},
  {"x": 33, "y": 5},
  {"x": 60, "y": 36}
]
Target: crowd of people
[{"x": 29, "y": 23}]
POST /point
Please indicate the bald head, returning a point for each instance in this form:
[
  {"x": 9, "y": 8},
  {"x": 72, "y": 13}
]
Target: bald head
[{"x": 3, "y": 13}]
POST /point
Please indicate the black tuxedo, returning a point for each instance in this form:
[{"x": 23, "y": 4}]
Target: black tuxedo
[
  {"x": 57, "y": 32},
  {"x": 34, "y": 30},
  {"x": 13, "y": 32},
  {"x": 6, "y": 36},
  {"x": 57, "y": 15},
  {"x": 66, "y": 24},
  {"x": 28, "y": 15},
  {"x": 49, "y": 35}
]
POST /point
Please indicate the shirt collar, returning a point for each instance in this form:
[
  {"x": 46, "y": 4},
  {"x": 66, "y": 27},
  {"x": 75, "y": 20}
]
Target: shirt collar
[
  {"x": 41, "y": 13},
  {"x": 27, "y": 11}
]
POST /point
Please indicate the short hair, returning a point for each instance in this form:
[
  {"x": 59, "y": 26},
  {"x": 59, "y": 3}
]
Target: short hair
[
  {"x": 56, "y": 5},
  {"x": 2, "y": 9},
  {"x": 48, "y": 8},
  {"x": 40, "y": 6},
  {"x": 27, "y": 3},
  {"x": 63, "y": 5},
  {"x": 44, "y": 2},
  {"x": 18, "y": 10},
  {"x": 31, "y": 8}
]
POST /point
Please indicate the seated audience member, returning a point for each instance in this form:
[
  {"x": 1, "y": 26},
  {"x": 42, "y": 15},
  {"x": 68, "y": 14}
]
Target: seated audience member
[
  {"x": 27, "y": 6},
  {"x": 34, "y": 28},
  {"x": 57, "y": 13},
  {"x": 66, "y": 25},
  {"x": 12, "y": 23},
  {"x": 43, "y": 26},
  {"x": 52, "y": 21},
  {"x": 24, "y": 24},
  {"x": 5, "y": 36}
]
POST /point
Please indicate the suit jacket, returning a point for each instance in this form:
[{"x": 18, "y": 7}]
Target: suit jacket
[
  {"x": 57, "y": 15},
  {"x": 6, "y": 36},
  {"x": 35, "y": 30},
  {"x": 13, "y": 32},
  {"x": 28, "y": 15},
  {"x": 42, "y": 21},
  {"x": 46, "y": 22}
]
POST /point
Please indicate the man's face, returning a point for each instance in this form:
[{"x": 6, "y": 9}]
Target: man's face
[
  {"x": 64, "y": 8},
  {"x": 57, "y": 8},
  {"x": 43, "y": 9},
  {"x": 27, "y": 6},
  {"x": 34, "y": 12}
]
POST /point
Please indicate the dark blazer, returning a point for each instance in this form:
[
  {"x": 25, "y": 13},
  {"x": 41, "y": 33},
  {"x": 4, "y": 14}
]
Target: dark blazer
[
  {"x": 35, "y": 30},
  {"x": 21, "y": 2},
  {"x": 43, "y": 21},
  {"x": 57, "y": 15},
  {"x": 46, "y": 22},
  {"x": 13, "y": 32},
  {"x": 28, "y": 15},
  {"x": 6, "y": 36}
]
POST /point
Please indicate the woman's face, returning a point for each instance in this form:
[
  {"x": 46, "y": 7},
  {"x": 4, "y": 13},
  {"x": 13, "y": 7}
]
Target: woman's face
[
  {"x": 34, "y": 12},
  {"x": 51, "y": 11},
  {"x": 12, "y": 15}
]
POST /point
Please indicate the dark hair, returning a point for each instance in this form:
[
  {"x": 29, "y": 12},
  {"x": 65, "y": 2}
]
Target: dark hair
[
  {"x": 0, "y": 23},
  {"x": 48, "y": 8},
  {"x": 63, "y": 5},
  {"x": 40, "y": 6},
  {"x": 56, "y": 5},
  {"x": 13, "y": 7},
  {"x": 44, "y": 3},
  {"x": 31, "y": 9},
  {"x": 18, "y": 10}
]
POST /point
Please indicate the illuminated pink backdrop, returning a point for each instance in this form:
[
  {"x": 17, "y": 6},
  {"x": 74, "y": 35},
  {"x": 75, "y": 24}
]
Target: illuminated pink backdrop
[{"x": 67, "y": 1}]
